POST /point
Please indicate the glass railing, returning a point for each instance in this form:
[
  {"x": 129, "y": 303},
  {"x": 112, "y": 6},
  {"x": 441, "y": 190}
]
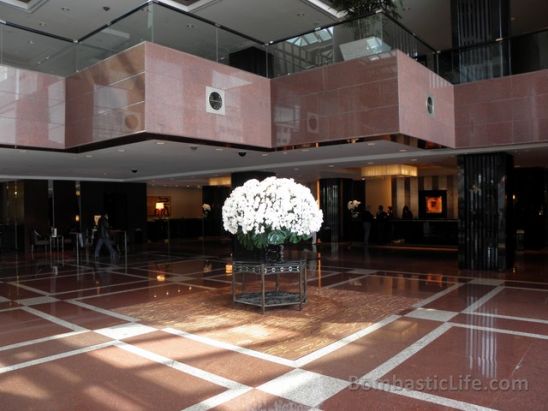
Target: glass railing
[
  {"x": 175, "y": 29},
  {"x": 374, "y": 35},
  {"x": 152, "y": 22},
  {"x": 34, "y": 51},
  {"x": 512, "y": 55}
]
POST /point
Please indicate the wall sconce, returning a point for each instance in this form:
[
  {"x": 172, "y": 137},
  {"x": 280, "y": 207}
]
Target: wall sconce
[
  {"x": 159, "y": 206},
  {"x": 160, "y": 277},
  {"x": 77, "y": 218}
]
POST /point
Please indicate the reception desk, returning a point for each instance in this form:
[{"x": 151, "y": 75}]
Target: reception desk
[{"x": 434, "y": 232}]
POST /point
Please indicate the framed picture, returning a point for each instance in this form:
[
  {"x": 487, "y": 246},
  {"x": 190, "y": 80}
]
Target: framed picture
[{"x": 432, "y": 204}]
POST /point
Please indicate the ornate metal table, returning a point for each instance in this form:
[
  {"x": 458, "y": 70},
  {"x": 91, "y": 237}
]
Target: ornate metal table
[{"x": 288, "y": 278}]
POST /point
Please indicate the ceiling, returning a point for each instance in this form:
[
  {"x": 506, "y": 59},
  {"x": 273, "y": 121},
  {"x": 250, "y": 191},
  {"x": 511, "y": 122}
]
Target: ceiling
[{"x": 180, "y": 164}]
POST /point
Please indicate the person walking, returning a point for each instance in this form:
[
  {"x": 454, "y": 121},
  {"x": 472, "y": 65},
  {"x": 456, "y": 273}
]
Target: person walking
[{"x": 103, "y": 238}]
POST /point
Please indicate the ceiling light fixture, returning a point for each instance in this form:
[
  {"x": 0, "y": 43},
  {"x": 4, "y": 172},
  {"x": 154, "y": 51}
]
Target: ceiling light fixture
[
  {"x": 220, "y": 181},
  {"x": 385, "y": 170},
  {"x": 160, "y": 143}
]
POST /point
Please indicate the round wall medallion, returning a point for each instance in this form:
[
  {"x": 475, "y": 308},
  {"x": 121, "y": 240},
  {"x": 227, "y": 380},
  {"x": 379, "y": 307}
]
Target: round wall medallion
[
  {"x": 430, "y": 105},
  {"x": 215, "y": 101}
]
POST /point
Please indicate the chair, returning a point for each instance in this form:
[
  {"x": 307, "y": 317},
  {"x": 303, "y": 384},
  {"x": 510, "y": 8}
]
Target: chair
[{"x": 39, "y": 241}]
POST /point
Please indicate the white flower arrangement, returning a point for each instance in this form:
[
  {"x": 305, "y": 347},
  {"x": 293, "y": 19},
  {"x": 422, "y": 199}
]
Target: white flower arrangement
[
  {"x": 353, "y": 207},
  {"x": 206, "y": 208},
  {"x": 271, "y": 212},
  {"x": 352, "y": 204}
]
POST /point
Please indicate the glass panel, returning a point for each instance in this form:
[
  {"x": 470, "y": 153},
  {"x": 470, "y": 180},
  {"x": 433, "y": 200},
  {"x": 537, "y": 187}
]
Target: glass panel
[
  {"x": 33, "y": 51},
  {"x": 474, "y": 63},
  {"x": 372, "y": 35},
  {"x": 303, "y": 52},
  {"x": 182, "y": 32},
  {"x": 240, "y": 52},
  {"x": 132, "y": 30}
]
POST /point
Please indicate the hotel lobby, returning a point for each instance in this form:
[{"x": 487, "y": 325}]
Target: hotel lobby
[{"x": 300, "y": 204}]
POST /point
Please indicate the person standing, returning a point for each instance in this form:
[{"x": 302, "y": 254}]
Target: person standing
[
  {"x": 406, "y": 213},
  {"x": 380, "y": 218},
  {"x": 104, "y": 237},
  {"x": 367, "y": 220}
]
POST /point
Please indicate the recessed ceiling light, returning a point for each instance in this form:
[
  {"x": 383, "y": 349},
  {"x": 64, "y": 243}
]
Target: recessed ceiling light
[
  {"x": 300, "y": 14},
  {"x": 371, "y": 144},
  {"x": 403, "y": 150},
  {"x": 330, "y": 166},
  {"x": 219, "y": 149},
  {"x": 42, "y": 24},
  {"x": 31, "y": 42},
  {"x": 160, "y": 143},
  {"x": 65, "y": 9},
  {"x": 264, "y": 154},
  {"x": 121, "y": 150},
  {"x": 304, "y": 150},
  {"x": 22, "y": 151},
  {"x": 89, "y": 156},
  {"x": 413, "y": 159},
  {"x": 190, "y": 26}
]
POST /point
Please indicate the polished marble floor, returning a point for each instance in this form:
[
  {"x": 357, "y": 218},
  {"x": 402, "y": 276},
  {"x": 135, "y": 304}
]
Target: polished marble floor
[{"x": 382, "y": 329}]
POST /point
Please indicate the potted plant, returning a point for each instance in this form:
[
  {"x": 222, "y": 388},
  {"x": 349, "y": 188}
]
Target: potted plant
[
  {"x": 357, "y": 8},
  {"x": 271, "y": 212},
  {"x": 367, "y": 32}
]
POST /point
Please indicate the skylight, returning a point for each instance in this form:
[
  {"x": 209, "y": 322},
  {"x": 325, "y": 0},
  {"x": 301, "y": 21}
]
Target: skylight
[
  {"x": 315, "y": 37},
  {"x": 27, "y": 5}
]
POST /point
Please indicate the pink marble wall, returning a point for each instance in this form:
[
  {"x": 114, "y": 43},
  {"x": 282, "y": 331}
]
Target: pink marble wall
[
  {"x": 175, "y": 99},
  {"x": 415, "y": 84},
  {"x": 32, "y": 108},
  {"x": 348, "y": 99},
  {"x": 107, "y": 100},
  {"x": 507, "y": 110}
]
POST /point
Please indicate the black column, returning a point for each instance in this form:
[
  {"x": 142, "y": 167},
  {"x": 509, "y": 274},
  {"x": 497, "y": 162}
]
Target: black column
[
  {"x": 481, "y": 21},
  {"x": 486, "y": 234},
  {"x": 335, "y": 193},
  {"x": 215, "y": 196},
  {"x": 35, "y": 209}
]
